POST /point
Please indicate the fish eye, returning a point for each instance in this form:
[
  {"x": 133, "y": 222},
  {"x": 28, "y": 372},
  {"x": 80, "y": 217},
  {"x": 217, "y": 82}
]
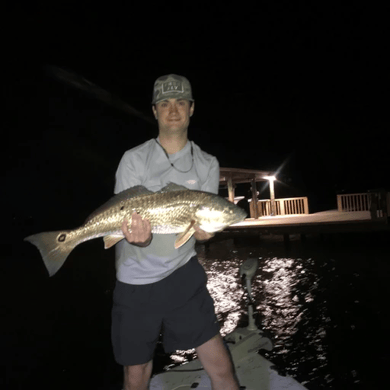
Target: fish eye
[{"x": 62, "y": 237}]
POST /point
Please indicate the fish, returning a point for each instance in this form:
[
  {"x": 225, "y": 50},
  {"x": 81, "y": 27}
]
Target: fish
[{"x": 173, "y": 210}]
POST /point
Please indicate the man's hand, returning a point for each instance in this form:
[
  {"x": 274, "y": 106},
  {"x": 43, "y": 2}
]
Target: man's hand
[
  {"x": 141, "y": 230},
  {"x": 201, "y": 235}
]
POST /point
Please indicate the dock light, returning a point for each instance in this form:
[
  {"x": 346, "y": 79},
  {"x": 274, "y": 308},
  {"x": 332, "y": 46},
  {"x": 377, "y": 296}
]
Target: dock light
[{"x": 272, "y": 193}]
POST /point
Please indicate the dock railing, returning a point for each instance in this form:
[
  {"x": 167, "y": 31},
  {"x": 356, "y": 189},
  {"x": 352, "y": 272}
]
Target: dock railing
[
  {"x": 377, "y": 202},
  {"x": 354, "y": 202},
  {"x": 286, "y": 206}
]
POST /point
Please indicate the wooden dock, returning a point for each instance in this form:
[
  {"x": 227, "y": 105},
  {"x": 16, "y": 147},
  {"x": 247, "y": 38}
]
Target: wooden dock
[
  {"x": 356, "y": 212},
  {"x": 332, "y": 221}
]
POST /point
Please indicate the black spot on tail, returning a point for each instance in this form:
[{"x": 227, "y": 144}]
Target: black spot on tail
[{"x": 62, "y": 237}]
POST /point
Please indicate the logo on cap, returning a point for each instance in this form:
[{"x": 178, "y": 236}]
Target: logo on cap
[{"x": 172, "y": 86}]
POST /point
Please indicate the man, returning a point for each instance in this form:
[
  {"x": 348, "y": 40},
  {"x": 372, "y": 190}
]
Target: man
[{"x": 158, "y": 286}]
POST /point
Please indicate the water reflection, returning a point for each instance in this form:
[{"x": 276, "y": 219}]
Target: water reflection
[
  {"x": 288, "y": 296},
  {"x": 284, "y": 290},
  {"x": 322, "y": 301},
  {"x": 224, "y": 286},
  {"x": 280, "y": 305}
]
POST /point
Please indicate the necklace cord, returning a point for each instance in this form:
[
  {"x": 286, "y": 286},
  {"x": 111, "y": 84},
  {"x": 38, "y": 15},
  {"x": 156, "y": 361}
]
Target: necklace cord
[{"x": 166, "y": 153}]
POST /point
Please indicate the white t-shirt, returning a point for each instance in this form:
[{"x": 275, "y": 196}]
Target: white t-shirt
[{"x": 148, "y": 165}]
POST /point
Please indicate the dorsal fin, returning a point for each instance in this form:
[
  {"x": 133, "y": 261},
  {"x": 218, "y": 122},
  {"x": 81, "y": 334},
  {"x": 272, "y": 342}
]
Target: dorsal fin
[
  {"x": 173, "y": 187},
  {"x": 123, "y": 196}
]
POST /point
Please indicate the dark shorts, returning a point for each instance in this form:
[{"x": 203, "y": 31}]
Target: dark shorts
[{"x": 179, "y": 306}]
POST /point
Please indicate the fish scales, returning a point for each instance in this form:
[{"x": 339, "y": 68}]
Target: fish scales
[
  {"x": 174, "y": 209},
  {"x": 168, "y": 212}
]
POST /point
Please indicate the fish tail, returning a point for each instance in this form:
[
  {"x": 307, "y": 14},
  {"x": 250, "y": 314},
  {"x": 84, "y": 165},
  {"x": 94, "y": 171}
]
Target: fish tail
[{"x": 54, "y": 248}]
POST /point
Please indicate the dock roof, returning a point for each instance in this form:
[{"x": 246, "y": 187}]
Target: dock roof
[{"x": 239, "y": 175}]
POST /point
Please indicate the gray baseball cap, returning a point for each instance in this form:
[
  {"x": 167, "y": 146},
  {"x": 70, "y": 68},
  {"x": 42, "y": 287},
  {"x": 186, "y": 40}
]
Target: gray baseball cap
[{"x": 171, "y": 86}]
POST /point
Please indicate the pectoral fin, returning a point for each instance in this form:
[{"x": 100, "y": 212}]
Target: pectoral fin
[
  {"x": 112, "y": 239},
  {"x": 182, "y": 238}
]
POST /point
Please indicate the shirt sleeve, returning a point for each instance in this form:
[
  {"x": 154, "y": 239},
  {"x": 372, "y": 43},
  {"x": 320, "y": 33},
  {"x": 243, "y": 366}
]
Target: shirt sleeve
[
  {"x": 127, "y": 174},
  {"x": 212, "y": 182}
]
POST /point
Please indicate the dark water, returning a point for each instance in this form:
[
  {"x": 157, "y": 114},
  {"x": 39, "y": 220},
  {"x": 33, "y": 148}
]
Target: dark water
[{"x": 325, "y": 303}]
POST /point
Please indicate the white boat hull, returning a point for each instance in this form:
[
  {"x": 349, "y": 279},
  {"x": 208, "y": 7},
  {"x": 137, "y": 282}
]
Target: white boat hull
[{"x": 253, "y": 371}]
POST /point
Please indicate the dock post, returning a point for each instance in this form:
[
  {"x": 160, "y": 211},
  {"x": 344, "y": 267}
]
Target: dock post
[
  {"x": 254, "y": 199},
  {"x": 272, "y": 196},
  {"x": 230, "y": 189},
  {"x": 374, "y": 205},
  {"x": 339, "y": 203}
]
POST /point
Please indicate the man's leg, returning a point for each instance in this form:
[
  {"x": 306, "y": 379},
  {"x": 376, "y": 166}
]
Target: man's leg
[
  {"x": 137, "y": 377},
  {"x": 218, "y": 365},
  {"x": 135, "y": 329}
]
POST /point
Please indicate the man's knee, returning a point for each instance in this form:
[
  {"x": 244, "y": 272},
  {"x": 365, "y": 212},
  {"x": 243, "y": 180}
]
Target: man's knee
[{"x": 137, "y": 376}]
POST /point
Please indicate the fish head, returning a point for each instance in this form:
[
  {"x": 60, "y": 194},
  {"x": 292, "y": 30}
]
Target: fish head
[{"x": 218, "y": 213}]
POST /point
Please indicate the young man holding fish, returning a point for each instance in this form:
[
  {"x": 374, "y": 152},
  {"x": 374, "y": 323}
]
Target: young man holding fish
[{"x": 158, "y": 283}]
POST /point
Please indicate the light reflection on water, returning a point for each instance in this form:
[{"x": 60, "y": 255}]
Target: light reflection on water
[
  {"x": 283, "y": 288},
  {"x": 324, "y": 303}
]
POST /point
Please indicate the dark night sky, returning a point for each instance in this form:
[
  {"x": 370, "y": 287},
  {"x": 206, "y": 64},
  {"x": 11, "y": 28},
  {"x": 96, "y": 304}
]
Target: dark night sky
[{"x": 294, "y": 85}]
